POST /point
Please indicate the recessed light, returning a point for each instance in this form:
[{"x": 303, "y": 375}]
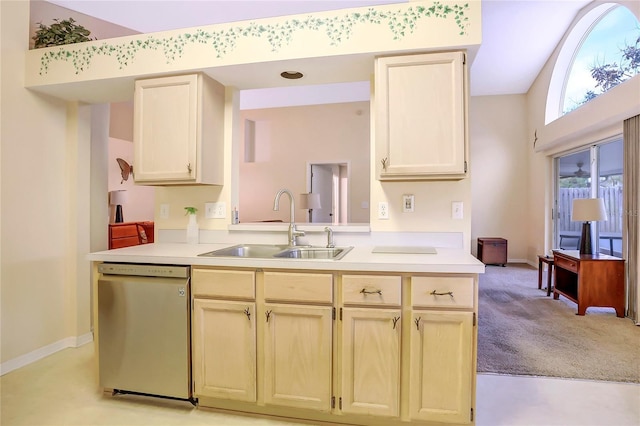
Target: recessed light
[{"x": 291, "y": 75}]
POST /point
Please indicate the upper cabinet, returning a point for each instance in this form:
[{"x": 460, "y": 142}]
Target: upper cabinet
[
  {"x": 179, "y": 130},
  {"x": 420, "y": 116}
]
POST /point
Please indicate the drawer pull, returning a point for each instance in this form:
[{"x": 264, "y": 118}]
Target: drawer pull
[
  {"x": 248, "y": 314},
  {"x": 435, "y": 293},
  {"x": 365, "y": 291},
  {"x": 417, "y": 321}
]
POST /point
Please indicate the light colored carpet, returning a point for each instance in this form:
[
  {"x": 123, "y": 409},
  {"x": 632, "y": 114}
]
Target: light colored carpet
[{"x": 521, "y": 331}]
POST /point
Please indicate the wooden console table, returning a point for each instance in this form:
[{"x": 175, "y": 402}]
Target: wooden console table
[{"x": 589, "y": 280}]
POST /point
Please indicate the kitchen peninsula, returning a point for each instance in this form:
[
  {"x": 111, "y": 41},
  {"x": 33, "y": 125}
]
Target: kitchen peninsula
[{"x": 372, "y": 338}]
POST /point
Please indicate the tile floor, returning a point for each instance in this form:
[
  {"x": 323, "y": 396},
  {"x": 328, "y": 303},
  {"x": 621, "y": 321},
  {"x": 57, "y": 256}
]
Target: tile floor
[{"x": 60, "y": 390}]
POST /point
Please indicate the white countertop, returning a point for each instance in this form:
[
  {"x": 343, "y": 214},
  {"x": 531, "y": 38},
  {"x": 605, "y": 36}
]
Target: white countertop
[{"x": 361, "y": 258}]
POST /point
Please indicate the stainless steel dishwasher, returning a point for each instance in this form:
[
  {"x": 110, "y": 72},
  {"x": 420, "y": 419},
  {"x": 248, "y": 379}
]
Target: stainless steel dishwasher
[{"x": 144, "y": 329}]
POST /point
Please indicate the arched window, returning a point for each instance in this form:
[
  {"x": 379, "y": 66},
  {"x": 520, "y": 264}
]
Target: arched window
[{"x": 602, "y": 50}]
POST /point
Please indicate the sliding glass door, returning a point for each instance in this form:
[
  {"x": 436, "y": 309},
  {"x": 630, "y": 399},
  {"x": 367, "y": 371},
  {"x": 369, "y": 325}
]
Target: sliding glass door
[{"x": 590, "y": 173}]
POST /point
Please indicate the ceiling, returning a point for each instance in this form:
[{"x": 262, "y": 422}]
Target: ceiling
[{"x": 518, "y": 35}]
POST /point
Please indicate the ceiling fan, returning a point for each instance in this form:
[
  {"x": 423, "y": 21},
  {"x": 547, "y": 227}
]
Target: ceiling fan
[
  {"x": 125, "y": 169},
  {"x": 580, "y": 172}
]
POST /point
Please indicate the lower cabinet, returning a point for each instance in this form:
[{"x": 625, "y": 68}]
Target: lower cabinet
[
  {"x": 355, "y": 348},
  {"x": 370, "y": 353},
  {"x": 224, "y": 334},
  {"x": 297, "y": 356},
  {"x": 441, "y": 367},
  {"x": 224, "y": 358}
]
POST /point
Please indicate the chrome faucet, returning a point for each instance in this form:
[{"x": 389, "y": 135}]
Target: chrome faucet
[
  {"x": 329, "y": 232},
  {"x": 293, "y": 232}
]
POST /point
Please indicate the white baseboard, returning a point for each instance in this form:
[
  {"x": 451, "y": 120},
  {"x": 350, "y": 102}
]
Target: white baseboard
[{"x": 33, "y": 356}]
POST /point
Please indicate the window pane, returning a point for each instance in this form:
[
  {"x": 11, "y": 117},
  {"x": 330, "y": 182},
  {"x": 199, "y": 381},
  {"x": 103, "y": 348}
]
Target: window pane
[
  {"x": 574, "y": 181},
  {"x": 604, "y": 47},
  {"x": 610, "y": 189}
]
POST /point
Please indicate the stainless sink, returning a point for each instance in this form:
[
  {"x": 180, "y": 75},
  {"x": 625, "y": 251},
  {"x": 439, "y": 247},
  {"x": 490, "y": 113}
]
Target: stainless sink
[
  {"x": 269, "y": 251},
  {"x": 247, "y": 250},
  {"x": 334, "y": 253}
]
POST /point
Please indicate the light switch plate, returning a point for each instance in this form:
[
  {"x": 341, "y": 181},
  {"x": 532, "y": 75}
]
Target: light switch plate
[
  {"x": 164, "y": 211},
  {"x": 408, "y": 203},
  {"x": 456, "y": 210}
]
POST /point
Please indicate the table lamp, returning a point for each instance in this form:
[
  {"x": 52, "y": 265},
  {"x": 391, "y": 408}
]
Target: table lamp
[
  {"x": 587, "y": 210},
  {"x": 309, "y": 202},
  {"x": 117, "y": 198}
]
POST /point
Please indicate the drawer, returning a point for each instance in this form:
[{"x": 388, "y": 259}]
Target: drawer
[
  {"x": 124, "y": 231},
  {"x": 223, "y": 283},
  {"x": 564, "y": 263},
  {"x": 442, "y": 292},
  {"x": 298, "y": 287},
  {"x": 371, "y": 290}
]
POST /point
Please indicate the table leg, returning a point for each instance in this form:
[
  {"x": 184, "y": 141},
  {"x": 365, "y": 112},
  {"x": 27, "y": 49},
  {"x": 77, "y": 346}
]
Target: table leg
[
  {"x": 549, "y": 272},
  {"x": 539, "y": 274}
]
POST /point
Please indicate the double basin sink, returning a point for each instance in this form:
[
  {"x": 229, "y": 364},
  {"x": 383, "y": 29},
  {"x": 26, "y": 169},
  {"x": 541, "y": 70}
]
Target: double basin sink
[{"x": 269, "y": 251}]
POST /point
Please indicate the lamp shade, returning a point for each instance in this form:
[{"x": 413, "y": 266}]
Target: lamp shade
[
  {"x": 117, "y": 197},
  {"x": 310, "y": 201},
  {"x": 588, "y": 209}
]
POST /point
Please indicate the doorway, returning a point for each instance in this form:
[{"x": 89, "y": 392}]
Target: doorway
[
  {"x": 595, "y": 172},
  {"x": 331, "y": 182}
]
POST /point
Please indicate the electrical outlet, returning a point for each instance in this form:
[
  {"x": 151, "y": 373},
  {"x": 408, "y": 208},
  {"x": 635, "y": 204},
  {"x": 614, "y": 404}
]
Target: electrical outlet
[
  {"x": 383, "y": 210},
  {"x": 215, "y": 210},
  {"x": 164, "y": 211},
  {"x": 456, "y": 210}
]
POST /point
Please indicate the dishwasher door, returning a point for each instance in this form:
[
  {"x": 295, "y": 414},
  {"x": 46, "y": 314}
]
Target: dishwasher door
[{"x": 144, "y": 335}]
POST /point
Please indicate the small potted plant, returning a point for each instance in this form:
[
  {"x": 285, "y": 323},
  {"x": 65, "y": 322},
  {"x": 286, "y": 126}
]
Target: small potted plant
[
  {"x": 61, "y": 32},
  {"x": 193, "y": 231}
]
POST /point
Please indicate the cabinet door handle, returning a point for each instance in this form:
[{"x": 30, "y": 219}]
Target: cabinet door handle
[
  {"x": 189, "y": 167},
  {"x": 417, "y": 321},
  {"x": 248, "y": 314},
  {"x": 384, "y": 163},
  {"x": 435, "y": 293},
  {"x": 395, "y": 321},
  {"x": 365, "y": 291},
  {"x": 268, "y": 314}
]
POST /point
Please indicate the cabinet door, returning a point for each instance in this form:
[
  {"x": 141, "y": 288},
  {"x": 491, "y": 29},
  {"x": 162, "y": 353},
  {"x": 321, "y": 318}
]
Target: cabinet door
[
  {"x": 370, "y": 354},
  {"x": 297, "y": 356},
  {"x": 441, "y": 371},
  {"x": 420, "y": 116},
  {"x": 224, "y": 355},
  {"x": 165, "y": 129}
]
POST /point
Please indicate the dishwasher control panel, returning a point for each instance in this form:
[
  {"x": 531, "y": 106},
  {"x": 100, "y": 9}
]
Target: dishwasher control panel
[{"x": 144, "y": 270}]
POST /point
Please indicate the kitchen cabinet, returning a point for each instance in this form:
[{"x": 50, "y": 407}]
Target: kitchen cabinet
[
  {"x": 442, "y": 366},
  {"x": 351, "y": 347},
  {"x": 420, "y": 116},
  {"x": 370, "y": 345},
  {"x": 224, "y": 334},
  {"x": 179, "y": 130},
  {"x": 298, "y": 339}
]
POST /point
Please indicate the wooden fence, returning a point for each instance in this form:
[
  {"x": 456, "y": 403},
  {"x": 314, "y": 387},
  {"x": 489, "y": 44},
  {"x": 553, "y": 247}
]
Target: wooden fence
[{"x": 612, "y": 202}]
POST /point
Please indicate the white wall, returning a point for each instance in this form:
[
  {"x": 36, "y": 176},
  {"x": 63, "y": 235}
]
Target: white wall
[
  {"x": 39, "y": 292},
  {"x": 291, "y": 138},
  {"x": 499, "y": 172}
]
